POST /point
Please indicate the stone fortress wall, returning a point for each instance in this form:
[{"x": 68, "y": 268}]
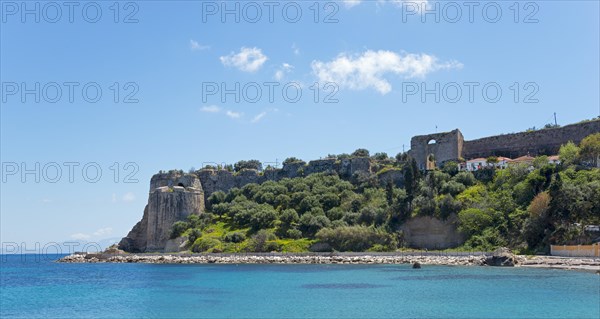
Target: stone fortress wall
[
  {"x": 452, "y": 146},
  {"x": 175, "y": 195},
  {"x": 222, "y": 180}
]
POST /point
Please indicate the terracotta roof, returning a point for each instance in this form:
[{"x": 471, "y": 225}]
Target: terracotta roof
[
  {"x": 525, "y": 158},
  {"x": 479, "y": 159},
  {"x": 553, "y": 158}
]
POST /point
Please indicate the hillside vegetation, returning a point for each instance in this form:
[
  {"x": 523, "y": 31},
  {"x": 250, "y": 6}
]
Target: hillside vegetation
[{"x": 526, "y": 207}]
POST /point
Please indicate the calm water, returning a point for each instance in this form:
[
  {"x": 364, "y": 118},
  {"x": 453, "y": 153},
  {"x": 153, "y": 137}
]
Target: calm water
[{"x": 46, "y": 289}]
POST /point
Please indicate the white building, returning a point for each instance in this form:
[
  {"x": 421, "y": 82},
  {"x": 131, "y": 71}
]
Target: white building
[
  {"x": 476, "y": 164},
  {"x": 503, "y": 162},
  {"x": 480, "y": 163},
  {"x": 554, "y": 159}
]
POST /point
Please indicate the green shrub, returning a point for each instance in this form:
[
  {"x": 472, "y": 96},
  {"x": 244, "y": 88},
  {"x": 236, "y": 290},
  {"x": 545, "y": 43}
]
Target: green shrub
[
  {"x": 195, "y": 233},
  {"x": 294, "y": 233},
  {"x": 206, "y": 245},
  {"x": 453, "y": 188},
  {"x": 259, "y": 241},
  {"x": 216, "y": 198},
  {"x": 310, "y": 224},
  {"x": 450, "y": 167},
  {"x": 235, "y": 237},
  {"x": 355, "y": 238},
  {"x": 220, "y": 209},
  {"x": 251, "y": 164},
  {"x": 465, "y": 178},
  {"x": 263, "y": 217},
  {"x": 361, "y": 152},
  {"x": 335, "y": 213},
  {"x": 489, "y": 240},
  {"x": 474, "y": 220},
  {"x": 178, "y": 228}
]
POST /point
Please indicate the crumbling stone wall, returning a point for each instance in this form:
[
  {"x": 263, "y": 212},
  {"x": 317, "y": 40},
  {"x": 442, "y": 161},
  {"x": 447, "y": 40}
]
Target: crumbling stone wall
[
  {"x": 541, "y": 142},
  {"x": 443, "y": 146},
  {"x": 452, "y": 146},
  {"x": 221, "y": 180}
]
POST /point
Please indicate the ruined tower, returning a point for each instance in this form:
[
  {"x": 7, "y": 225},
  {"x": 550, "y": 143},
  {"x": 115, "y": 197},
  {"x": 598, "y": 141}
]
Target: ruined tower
[{"x": 429, "y": 150}]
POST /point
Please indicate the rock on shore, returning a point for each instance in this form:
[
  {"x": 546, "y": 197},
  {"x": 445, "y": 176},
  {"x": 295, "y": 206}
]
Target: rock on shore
[{"x": 502, "y": 257}]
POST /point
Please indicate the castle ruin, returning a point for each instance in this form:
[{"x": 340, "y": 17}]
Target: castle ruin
[
  {"x": 434, "y": 149},
  {"x": 175, "y": 195}
]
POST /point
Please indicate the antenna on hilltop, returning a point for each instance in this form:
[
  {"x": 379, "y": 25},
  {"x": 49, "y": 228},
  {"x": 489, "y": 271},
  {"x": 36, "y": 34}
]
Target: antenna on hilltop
[{"x": 555, "y": 123}]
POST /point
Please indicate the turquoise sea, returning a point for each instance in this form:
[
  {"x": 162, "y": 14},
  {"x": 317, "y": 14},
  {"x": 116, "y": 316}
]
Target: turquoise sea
[{"x": 33, "y": 288}]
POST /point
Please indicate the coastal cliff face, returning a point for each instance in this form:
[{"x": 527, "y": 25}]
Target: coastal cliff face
[{"x": 173, "y": 197}]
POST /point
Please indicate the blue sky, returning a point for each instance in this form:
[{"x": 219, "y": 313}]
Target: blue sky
[{"x": 374, "y": 54}]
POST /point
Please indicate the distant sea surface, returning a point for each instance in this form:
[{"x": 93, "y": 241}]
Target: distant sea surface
[{"x": 41, "y": 288}]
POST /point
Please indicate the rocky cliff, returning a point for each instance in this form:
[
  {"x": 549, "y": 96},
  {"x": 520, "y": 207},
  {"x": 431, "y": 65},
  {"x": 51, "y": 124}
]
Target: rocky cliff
[{"x": 173, "y": 196}]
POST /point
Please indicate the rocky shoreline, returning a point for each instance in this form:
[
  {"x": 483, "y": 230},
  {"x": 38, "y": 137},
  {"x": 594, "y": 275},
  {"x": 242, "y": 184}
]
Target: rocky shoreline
[
  {"x": 588, "y": 264},
  {"x": 568, "y": 263},
  {"x": 274, "y": 259}
]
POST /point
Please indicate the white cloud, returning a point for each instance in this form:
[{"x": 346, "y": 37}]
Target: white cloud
[
  {"x": 295, "y": 49},
  {"x": 211, "y": 109},
  {"x": 233, "y": 115},
  {"x": 103, "y": 231},
  {"x": 367, "y": 70},
  {"x": 282, "y": 70},
  {"x": 218, "y": 110},
  {"x": 351, "y": 3},
  {"x": 128, "y": 197},
  {"x": 247, "y": 60},
  {"x": 80, "y": 236},
  {"x": 46, "y": 200},
  {"x": 259, "y": 117},
  {"x": 419, "y": 5},
  {"x": 195, "y": 46}
]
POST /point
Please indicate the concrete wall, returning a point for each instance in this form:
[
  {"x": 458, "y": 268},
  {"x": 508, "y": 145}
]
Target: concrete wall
[{"x": 575, "y": 250}]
